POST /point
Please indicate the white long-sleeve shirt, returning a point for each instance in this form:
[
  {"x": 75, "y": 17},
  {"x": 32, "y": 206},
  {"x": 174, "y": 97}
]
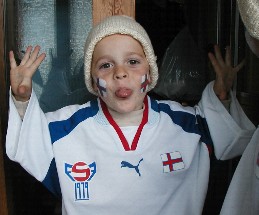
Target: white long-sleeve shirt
[
  {"x": 76, "y": 153},
  {"x": 243, "y": 193}
]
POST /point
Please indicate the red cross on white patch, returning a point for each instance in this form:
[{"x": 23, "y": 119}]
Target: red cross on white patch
[{"x": 172, "y": 161}]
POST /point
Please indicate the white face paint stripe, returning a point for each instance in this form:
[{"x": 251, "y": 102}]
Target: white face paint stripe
[
  {"x": 101, "y": 85},
  {"x": 144, "y": 83}
]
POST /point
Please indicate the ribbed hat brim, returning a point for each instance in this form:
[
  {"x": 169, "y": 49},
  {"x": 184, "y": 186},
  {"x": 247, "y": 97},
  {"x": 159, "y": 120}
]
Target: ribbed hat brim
[{"x": 249, "y": 12}]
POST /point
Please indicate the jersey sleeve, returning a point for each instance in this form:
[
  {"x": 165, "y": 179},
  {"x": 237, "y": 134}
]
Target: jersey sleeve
[
  {"x": 230, "y": 130},
  {"x": 28, "y": 143}
]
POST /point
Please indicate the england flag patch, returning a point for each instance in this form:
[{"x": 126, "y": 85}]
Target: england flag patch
[{"x": 172, "y": 161}]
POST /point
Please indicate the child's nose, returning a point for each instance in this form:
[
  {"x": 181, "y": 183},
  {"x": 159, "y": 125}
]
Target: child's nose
[{"x": 120, "y": 73}]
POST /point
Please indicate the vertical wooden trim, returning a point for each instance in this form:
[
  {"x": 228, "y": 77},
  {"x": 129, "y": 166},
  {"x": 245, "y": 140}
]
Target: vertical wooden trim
[
  {"x": 3, "y": 108},
  {"x": 105, "y": 8},
  {"x": 102, "y": 9},
  {"x": 3, "y": 104},
  {"x": 3, "y": 196},
  {"x": 125, "y": 7},
  {"x": 2, "y": 63}
]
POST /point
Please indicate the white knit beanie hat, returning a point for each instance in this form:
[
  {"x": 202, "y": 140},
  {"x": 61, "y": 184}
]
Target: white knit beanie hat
[
  {"x": 249, "y": 12},
  {"x": 118, "y": 24}
]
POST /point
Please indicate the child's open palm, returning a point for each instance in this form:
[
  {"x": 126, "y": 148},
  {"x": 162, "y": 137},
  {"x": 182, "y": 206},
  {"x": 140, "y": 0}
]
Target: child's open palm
[
  {"x": 21, "y": 75},
  {"x": 225, "y": 72}
]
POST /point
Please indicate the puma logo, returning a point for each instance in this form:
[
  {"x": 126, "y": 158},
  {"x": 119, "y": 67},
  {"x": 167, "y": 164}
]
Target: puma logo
[{"x": 129, "y": 165}]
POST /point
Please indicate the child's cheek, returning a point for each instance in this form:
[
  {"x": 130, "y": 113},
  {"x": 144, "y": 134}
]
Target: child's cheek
[
  {"x": 101, "y": 86},
  {"x": 144, "y": 83}
]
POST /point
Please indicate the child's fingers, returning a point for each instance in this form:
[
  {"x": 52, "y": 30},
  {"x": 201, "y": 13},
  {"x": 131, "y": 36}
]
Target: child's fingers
[
  {"x": 218, "y": 55},
  {"x": 214, "y": 62},
  {"x": 12, "y": 60},
  {"x": 228, "y": 56},
  {"x": 37, "y": 62},
  {"x": 33, "y": 56},
  {"x": 240, "y": 66},
  {"x": 26, "y": 56}
]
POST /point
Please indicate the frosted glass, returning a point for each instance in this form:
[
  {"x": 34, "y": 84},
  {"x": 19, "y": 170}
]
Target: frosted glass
[
  {"x": 60, "y": 28},
  {"x": 80, "y": 25},
  {"x": 36, "y": 26}
]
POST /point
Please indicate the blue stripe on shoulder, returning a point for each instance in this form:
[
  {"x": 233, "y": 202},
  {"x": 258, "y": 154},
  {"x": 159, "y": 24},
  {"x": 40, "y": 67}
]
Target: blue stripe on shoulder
[
  {"x": 60, "y": 129},
  {"x": 204, "y": 131},
  {"x": 188, "y": 122},
  {"x": 51, "y": 180}
]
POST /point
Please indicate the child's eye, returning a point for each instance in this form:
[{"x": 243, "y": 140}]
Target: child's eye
[
  {"x": 105, "y": 66},
  {"x": 133, "y": 62}
]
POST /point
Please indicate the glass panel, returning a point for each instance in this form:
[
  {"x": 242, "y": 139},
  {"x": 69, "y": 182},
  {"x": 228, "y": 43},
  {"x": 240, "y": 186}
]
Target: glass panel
[
  {"x": 179, "y": 33},
  {"x": 60, "y": 28}
]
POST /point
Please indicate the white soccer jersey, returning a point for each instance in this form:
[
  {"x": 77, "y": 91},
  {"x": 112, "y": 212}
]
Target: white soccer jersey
[
  {"x": 243, "y": 193},
  {"x": 77, "y": 153}
]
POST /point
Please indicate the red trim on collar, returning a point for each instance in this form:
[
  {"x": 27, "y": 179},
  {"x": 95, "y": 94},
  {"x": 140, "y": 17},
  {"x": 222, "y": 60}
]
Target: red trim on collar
[{"x": 124, "y": 141}]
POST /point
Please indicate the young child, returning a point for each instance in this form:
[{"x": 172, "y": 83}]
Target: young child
[
  {"x": 124, "y": 153},
  {"x": 243, "y": 193}
]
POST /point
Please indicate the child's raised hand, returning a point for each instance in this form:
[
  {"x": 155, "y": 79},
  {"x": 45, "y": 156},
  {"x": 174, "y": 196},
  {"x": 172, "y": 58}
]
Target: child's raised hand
[
  {"x": 21, "y": 75},
  {"x": 225, "y": 72}
]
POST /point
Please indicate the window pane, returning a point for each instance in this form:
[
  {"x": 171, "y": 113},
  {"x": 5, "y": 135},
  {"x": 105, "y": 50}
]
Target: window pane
[{"x": 60, "y": 28}]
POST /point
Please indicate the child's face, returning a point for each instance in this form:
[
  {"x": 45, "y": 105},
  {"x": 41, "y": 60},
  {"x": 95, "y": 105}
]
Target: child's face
[{"x": 120, "y": 72}]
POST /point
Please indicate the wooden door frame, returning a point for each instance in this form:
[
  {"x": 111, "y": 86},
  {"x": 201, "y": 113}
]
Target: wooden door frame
[
  {"x": 3, "y": 114},
  {"x": 104, "y": 8}
]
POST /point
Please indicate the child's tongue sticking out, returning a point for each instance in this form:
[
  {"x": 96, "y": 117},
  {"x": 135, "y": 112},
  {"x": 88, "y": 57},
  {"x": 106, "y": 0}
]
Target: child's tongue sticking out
[{"x": 123, "y": 92}]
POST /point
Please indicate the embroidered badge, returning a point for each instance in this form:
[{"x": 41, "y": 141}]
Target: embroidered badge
[
  {"x": 172, "y": 161},
  {"x": 129, "y": 165},
  {"x": 80, "y": 173}
]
